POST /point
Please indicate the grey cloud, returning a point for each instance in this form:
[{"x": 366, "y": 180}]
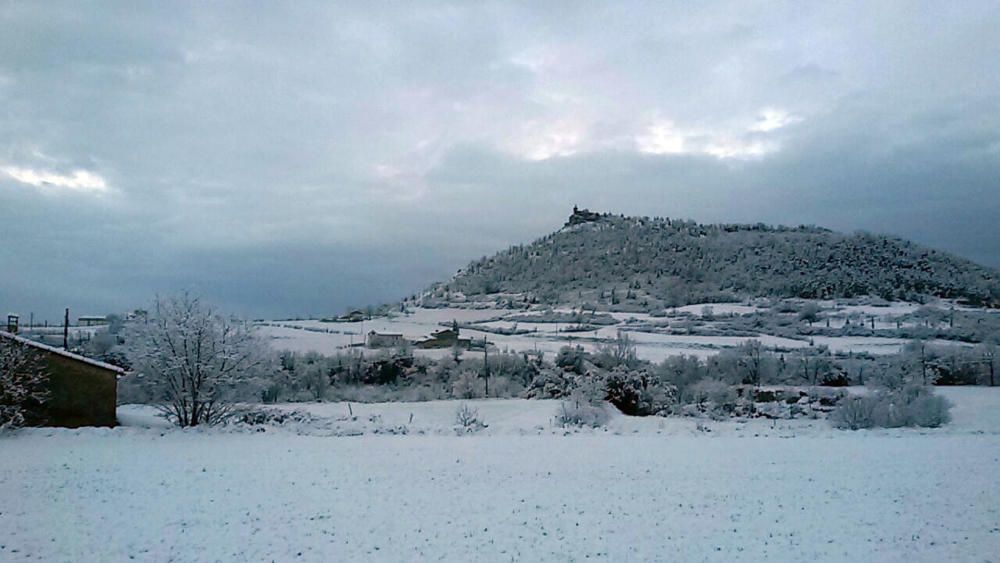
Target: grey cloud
[{"x": 306, "y": 157}]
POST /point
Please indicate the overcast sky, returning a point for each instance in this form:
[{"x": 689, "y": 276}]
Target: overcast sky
[{"x": 303, "y": 158}]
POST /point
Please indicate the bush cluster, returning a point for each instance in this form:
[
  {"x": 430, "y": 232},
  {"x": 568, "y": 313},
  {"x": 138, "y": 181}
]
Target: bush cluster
[{"x": 913, "y": 405}]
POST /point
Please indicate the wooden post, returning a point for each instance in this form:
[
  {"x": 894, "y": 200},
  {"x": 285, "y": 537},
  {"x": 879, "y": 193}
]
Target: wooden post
[
  {"x": 486, "y": 365},
  {"x": 66, "y": 330},
  {"x": 923, "y": 363},
  {"x": 992, "y": 363}
]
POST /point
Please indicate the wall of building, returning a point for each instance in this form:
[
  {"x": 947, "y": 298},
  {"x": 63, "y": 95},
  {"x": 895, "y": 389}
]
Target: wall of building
[
  {"x": 80, "y": 394},
  {"x": 385, "y": 340}
]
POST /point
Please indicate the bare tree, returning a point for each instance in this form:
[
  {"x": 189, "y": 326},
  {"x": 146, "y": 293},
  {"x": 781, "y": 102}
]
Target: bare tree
[
  {"x": 189, "y": 357},
  {"x": 23, "y": 382},
  {"x": 752, "y": 362},
  {"x": 620, "y": 351},
  {"x": 989, "y": 353},
  {"x": 809, "y": 313}
]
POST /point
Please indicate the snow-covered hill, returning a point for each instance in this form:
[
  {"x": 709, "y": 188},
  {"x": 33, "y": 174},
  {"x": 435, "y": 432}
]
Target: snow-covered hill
[{"x": 646, "y": 264}]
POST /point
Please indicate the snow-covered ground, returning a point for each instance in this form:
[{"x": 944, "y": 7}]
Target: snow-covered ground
[
  {"x": 652, "y": 343},
  {"x": 521, "y": 490}
]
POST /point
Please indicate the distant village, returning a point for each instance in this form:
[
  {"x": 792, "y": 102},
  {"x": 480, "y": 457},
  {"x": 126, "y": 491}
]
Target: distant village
[{"x": 444, "y": 338}]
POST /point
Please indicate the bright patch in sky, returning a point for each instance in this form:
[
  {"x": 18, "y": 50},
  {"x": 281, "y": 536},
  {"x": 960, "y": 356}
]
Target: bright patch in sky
[
  {"x": 661, "y": 138},
  {"x": 771, "y": 119},
  {"x": 544, "y": 141},
  {"x": 740, "y": 149},
  {"x": 664, "y": 137},
  {"x": 77, "y": 180}
]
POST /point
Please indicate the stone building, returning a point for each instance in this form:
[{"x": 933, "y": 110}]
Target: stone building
[{"x": 82, "y": 391}]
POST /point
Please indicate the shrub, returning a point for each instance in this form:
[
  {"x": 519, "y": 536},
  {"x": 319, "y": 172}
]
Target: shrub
[
  {"x": 271, "y": 417},
  {"x": 635, "y": 393},
  {"x": 549, "y": 384},
  {"x": 714, "y": 393},
  {"x": 581, "y": 413},
  {"x": 913, "y": 405},
  {"x": 586, "y": 405},
  {"x": 835, "y": 378},
  {"x": 466, "y": 386},
  {"x": 23, "y": 384},
  {"x": 930, "y": 411},
  {"x": 571, "y": 358},
  {"x": 855, "y": 413},
  {"x": 468, "y": 417},
  {"x": 619, "y": 352},
  {"x": 809, "y": 313}
]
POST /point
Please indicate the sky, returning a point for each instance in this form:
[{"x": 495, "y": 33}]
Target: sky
[{"x": 300, "y": 158}]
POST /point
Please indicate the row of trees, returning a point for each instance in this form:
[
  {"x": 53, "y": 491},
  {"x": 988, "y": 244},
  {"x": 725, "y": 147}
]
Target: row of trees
[{"x": 193, "y": 362}]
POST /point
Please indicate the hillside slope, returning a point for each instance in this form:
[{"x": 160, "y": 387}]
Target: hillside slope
[{"x": 642, "y": 263}]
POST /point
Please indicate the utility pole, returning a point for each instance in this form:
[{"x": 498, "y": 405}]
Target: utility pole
[
  {"x": 486, "y": 365},
  {"x": 923, "y": 362},
  {"x": 989, "y": 358},
  {"x": 66, "y": 330}
]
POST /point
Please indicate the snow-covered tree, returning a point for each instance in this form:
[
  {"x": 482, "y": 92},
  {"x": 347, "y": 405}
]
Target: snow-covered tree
[
  {"x": 809, "y": 313},
  {"x": 466, "y": 386},
  {"x": 23, "y": 382},
  {"x": 618, "y": 352},
  {"x": 190, "y": 358},
  {"x": 988, "y": 353}
]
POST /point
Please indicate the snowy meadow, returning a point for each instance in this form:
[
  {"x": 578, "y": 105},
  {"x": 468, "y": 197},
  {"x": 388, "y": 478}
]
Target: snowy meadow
[{"x": 339, "y": 485}]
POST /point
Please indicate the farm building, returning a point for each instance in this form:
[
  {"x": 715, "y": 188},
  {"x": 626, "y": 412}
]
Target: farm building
[
  {"x": 92, "y": 320},
  {"x": 385, "y": 340},
  {"x": 355, "y": 316},
  {"x": 444, "y": 338},
  {"x": 82, "y": 391}
]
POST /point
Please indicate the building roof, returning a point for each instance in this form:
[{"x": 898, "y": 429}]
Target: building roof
[{"x": 61, "y": 352}]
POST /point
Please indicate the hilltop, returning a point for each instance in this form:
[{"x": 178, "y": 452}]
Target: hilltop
[{"x": 642, "y": 263}]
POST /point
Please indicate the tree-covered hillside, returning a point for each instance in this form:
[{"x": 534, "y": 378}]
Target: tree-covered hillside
[{"x": 643, "y": 263}]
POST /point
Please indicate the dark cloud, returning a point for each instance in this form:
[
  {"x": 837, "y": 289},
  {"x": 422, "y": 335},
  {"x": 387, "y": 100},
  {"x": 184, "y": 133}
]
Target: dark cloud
[{"x": 299, "y": 159}]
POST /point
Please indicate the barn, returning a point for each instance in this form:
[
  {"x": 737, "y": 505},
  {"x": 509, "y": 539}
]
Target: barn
[
  {"x": 385, "y": 340},
  {"x": 445, "y": 338},
  {"x": 82, "y": 391}
]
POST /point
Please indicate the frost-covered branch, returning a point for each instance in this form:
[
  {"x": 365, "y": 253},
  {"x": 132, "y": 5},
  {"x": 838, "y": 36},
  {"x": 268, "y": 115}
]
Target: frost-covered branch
[{"x": 23, "y": 383}]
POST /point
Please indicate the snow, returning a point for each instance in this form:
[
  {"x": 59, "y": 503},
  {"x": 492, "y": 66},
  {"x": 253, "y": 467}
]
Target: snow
[
  {"x": 719, "y": 309},
  {"x": 61, "y": 352},
  {"x": 645, "y": 489},
  {"x": 873, "y": 344},
  {"x": 888, "y": 309},
  {"x": 331, "y": 338}
]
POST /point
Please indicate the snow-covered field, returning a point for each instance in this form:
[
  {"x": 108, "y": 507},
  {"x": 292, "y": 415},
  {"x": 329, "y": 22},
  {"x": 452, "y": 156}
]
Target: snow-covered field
[
  {"x": 521, "y": 490},
  {"x": 652, "y": 341}
]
